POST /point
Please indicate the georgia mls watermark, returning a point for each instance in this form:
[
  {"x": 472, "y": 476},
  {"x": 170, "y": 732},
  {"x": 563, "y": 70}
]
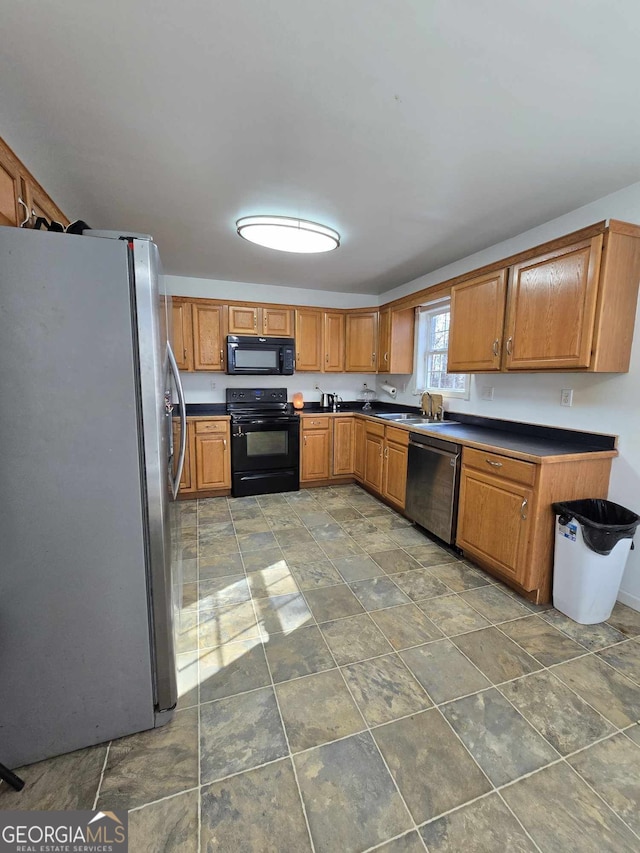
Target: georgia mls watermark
[{"x": 64, "y": 832}]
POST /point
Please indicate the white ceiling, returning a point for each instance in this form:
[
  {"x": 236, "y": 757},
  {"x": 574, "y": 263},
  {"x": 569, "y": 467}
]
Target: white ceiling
[{"x": 422, "y": 130}]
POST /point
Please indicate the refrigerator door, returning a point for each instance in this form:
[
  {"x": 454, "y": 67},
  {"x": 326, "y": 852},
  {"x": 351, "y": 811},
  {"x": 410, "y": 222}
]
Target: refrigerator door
[
  {"x": 76, "y": 665},
  {"x": 150, "y": 335}
]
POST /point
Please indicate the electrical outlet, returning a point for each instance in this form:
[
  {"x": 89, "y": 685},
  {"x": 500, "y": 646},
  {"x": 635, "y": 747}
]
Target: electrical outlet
[
  {"x": 213, "y": 384},
  {"x": 486, "y": 392},
  {"x": 566, "y": 397}
]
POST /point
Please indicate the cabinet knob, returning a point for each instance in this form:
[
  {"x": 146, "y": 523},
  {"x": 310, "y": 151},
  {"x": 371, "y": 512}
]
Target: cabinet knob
[
  {"x": 496, "y": 347},
  {"x": 509, "y": 345},
  {"x": 523, "y": 509}
]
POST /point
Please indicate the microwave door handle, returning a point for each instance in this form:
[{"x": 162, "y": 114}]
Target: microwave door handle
[{"x": 175, "y": 483}]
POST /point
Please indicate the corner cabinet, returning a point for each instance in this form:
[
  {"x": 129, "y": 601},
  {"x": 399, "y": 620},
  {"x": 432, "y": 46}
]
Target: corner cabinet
[
  {"x": 396, "y": 331},
  {"x": 571, "y": 308}
]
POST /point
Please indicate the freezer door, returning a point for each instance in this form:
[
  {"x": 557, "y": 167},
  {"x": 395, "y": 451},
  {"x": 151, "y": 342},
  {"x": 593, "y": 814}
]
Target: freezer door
[{"x": 155, "y": 419}]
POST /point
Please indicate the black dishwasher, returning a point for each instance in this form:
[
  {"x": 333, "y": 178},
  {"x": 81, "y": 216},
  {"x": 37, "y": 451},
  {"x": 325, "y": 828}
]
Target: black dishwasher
[{"x": 433, "y": 483}]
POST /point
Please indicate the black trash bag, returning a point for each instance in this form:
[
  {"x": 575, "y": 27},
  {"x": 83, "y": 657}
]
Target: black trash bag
[{"x": 603, "y": 523}]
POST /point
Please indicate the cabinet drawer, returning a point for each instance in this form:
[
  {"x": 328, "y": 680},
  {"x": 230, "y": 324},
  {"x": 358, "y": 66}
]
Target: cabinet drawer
[
  {"x": 399, "y": 436},
  {"x": 315, "y": 423},
  {"x": 501, "y": 466},
  {"x": 374, "y": 428},
  {"x": 211, "y": 426}
]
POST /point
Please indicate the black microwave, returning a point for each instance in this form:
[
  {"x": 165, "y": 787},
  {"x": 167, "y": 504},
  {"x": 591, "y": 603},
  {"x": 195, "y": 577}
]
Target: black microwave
[{"x": 254, "y": 356}]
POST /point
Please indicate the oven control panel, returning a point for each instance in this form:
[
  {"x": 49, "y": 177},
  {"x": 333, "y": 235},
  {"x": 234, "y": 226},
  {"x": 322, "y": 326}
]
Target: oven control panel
[{"x": 256, "y": 395}]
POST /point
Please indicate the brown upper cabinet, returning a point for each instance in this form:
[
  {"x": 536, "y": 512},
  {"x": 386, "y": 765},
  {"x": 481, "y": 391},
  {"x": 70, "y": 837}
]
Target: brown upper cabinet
[
  {"x": 570, "y": 308},
  {"x": 361, "y": 342},
  {"x": 309, "y": 339},
  {"x": 395, "y": 340},
  {"x": 254, "y": 320},
  {"x": 22, "y": 199},
  {"x": 182, "y": 333},
  {"x": 208, "y": 336},
  {"x": 333, "y": 342}
]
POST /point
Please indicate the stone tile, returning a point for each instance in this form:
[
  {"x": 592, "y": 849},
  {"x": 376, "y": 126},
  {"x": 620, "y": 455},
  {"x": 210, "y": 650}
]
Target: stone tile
[
  {"x": 431, "y": 554},
  {"x": 420, "y": 584},
  {"x": 170, "y": 826},
  {"x": 332, "y": 602},
  {"x": 188, "y": 569},
  {"x": 316, "y": 518},
  {"x": 501, "y": 741},
  {"x": 317, "y": 709},
  {"x": 346, "y": 513},
  {"x": 362, "y": 527},
  {"x": 625, "y": 619},
  {"x": 390, "y": 521},
  {"x": 494, "y": 604},
  {"x": 567, "y": 721},
  {"x": 256, "y": 542},
  {"x": 592, "y": 637},
  {"x": 315, "y": 575},
  {"x": 250, "y": 811},
  {"x": 208, "y": 551},
  {"x": 335, "y": 548},
  {"x": 612, "y": 768},
  {"x": 452, "y": 615},
  {"x": 187, "y": 673},
  {"x": 459, "y": 577},
  {"x": 187, "y": 631},
  {"x": 357, "y": 567},
  {"x": 151, "y": 765},
  {"x": 354, "y": 638},
  {"x": 239, "y": 733},
  {"x": 561, "y": 813},
  {"x": 257, "y": 524},
  {"x": 328, "y": 532},
  {"x": 432, "y": 769},
  {"x": 625, "y": 658},
  {"x": 187, "y": 547},
  {"x": 227, "y": 624},
  {"x": 209, "y": 531},
  {"x": 605, "y": 689},
  {"x": 534, "y": 608},
  {"x": 378, "y": 593},
  {"x": 498, "y": 657},
  {"x": 232, "y": 668},
  {"x": 406, "y": 537},
  {"x": 274, "y": 580},
  {"x": 282, "y": 613},
  {"x": 278, "y": 522},
  {"x": 64, "y": 782},
  {"x": 385, "y": 690},
  {"x": 300, "y": 653},
  {"x": 634, "y": 734},
  {"x": 213, "y": 509},
  {"x": 542, "y": 640},
  {"x": 405, "y": 626},
  {"x": 409, "y": 843},
  {"x": 486, "y": 826},
  {"x": 443, "y": 671},
  {"x": 351, "y": 774},
  {"x": 303, "y": 553},
  {"x": 188, "y": 596},
  {"x": 220, "y": 565},
  {"x": 374, "y": 544},
  {"x": 293, "y": 538},
  {"x": 256, "y": 561},
  {"x": 395, "y": 561},
  {"x": 221, "y": 592}
]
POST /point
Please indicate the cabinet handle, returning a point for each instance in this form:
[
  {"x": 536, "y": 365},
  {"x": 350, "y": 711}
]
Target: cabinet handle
[
  {"x": 496, "y": 347},
  {"x": 224, "y": 443},
  {"x": 380, "y": 452},
  {"x": 28, "y": 215},
  {"x": 327, "y": 358},
  {"x": 255, "y": 321},
  {"x": 221, "y": 356},
  {"x": 523, "y": 509},
  {"x": 509, "y": 346},
  {"x": 315, "y": 423},
  {"x": 298, "y": 356},
  {"x": 305, "y": 441},
  {"x": 495, "y": 464},
  {"x": 386, "y": 357},
  {"x": 386, "y": 453},
  {"x": 373, "y": 358},
  {"x": 184, "y": 354}
]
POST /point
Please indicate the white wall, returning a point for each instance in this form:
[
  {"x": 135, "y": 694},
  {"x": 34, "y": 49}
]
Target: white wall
[{"x": 608, "y": 403}]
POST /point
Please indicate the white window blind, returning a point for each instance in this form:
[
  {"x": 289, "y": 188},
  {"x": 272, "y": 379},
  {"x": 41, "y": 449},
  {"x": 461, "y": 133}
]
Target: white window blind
[{"x": 431, "y": 352}]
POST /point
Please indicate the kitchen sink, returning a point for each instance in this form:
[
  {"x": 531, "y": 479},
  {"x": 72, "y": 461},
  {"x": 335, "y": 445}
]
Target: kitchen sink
[
  {"x": 397, "y": 416},
  {"x": 431, "y": 422},
  {"x": 413, "y": 419}
]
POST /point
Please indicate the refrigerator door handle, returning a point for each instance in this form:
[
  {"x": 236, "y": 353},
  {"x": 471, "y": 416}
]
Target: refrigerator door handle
[{"x": 175, "y": 484}]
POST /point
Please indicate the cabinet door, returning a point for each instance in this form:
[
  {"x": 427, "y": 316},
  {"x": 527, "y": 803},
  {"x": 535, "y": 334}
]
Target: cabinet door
[
  {"x": 277, "y": 322},
  {"x": 361, "y": 342},
  {"x": 187, "y": 480},
  {"x": 359, "y": 449},
  {"x": 333, "y": 342},
  {"x": 243, "y": 320},
  {"x": 213, "y": 469},
  {"x": 309, "y": 340},
  {"x": 315, "y": 455},
  {"x": 395, "y": 472},
  {"x": 41, "y": 205},
  {"x": 493, "y": 522},
  {"x": 208, "y": 350},
  {"x": 477, "y": 320},
  {"x": 12, "y": 211},
  {"x": 384, "y": 340},
  {"x": 182, "y": 333},
  {"x": 373, "y": 461},
  {"x": 342, "y": 446},
  {"x": 551, "y": 308}
]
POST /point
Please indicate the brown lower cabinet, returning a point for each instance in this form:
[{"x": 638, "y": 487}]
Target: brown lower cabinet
[
  {"x": 505, "y": 520},
  {"x": 385, "y": 462},
  {"x": 315, "y": 448},
  {"x": 207, "y": 463}
]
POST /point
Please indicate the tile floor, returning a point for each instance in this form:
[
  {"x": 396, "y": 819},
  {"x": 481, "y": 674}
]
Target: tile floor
[{"x": 347, "y": 684}]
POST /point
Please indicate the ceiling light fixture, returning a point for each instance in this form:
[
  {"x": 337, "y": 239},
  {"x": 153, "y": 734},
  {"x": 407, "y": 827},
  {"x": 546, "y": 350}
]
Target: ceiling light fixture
[{"x": 287, "y": 234}]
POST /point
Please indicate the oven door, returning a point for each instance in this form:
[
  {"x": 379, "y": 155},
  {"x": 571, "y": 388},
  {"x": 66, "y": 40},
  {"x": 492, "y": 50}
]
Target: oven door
[{"x": 265, "y": 456}]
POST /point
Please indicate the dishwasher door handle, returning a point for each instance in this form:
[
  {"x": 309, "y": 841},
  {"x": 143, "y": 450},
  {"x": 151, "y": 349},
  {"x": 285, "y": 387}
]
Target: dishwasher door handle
[{"x": 453, "y": 456}]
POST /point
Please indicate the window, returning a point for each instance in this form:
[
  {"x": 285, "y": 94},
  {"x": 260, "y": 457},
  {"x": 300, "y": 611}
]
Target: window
[{"x": 431, "y": 353}]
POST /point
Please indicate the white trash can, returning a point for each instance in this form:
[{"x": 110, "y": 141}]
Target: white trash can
[{"x": 592, "y": 544}]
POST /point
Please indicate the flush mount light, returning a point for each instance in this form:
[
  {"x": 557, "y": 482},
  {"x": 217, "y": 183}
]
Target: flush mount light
[{"x": 287, "y": 234}]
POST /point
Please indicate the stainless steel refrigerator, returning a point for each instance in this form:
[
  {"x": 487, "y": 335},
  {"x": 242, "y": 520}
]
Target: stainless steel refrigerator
[{"x": 89, "y": 554}]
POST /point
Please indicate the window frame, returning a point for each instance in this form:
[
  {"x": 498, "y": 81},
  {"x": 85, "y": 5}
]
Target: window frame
[{"x": 424, "y": 315}]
